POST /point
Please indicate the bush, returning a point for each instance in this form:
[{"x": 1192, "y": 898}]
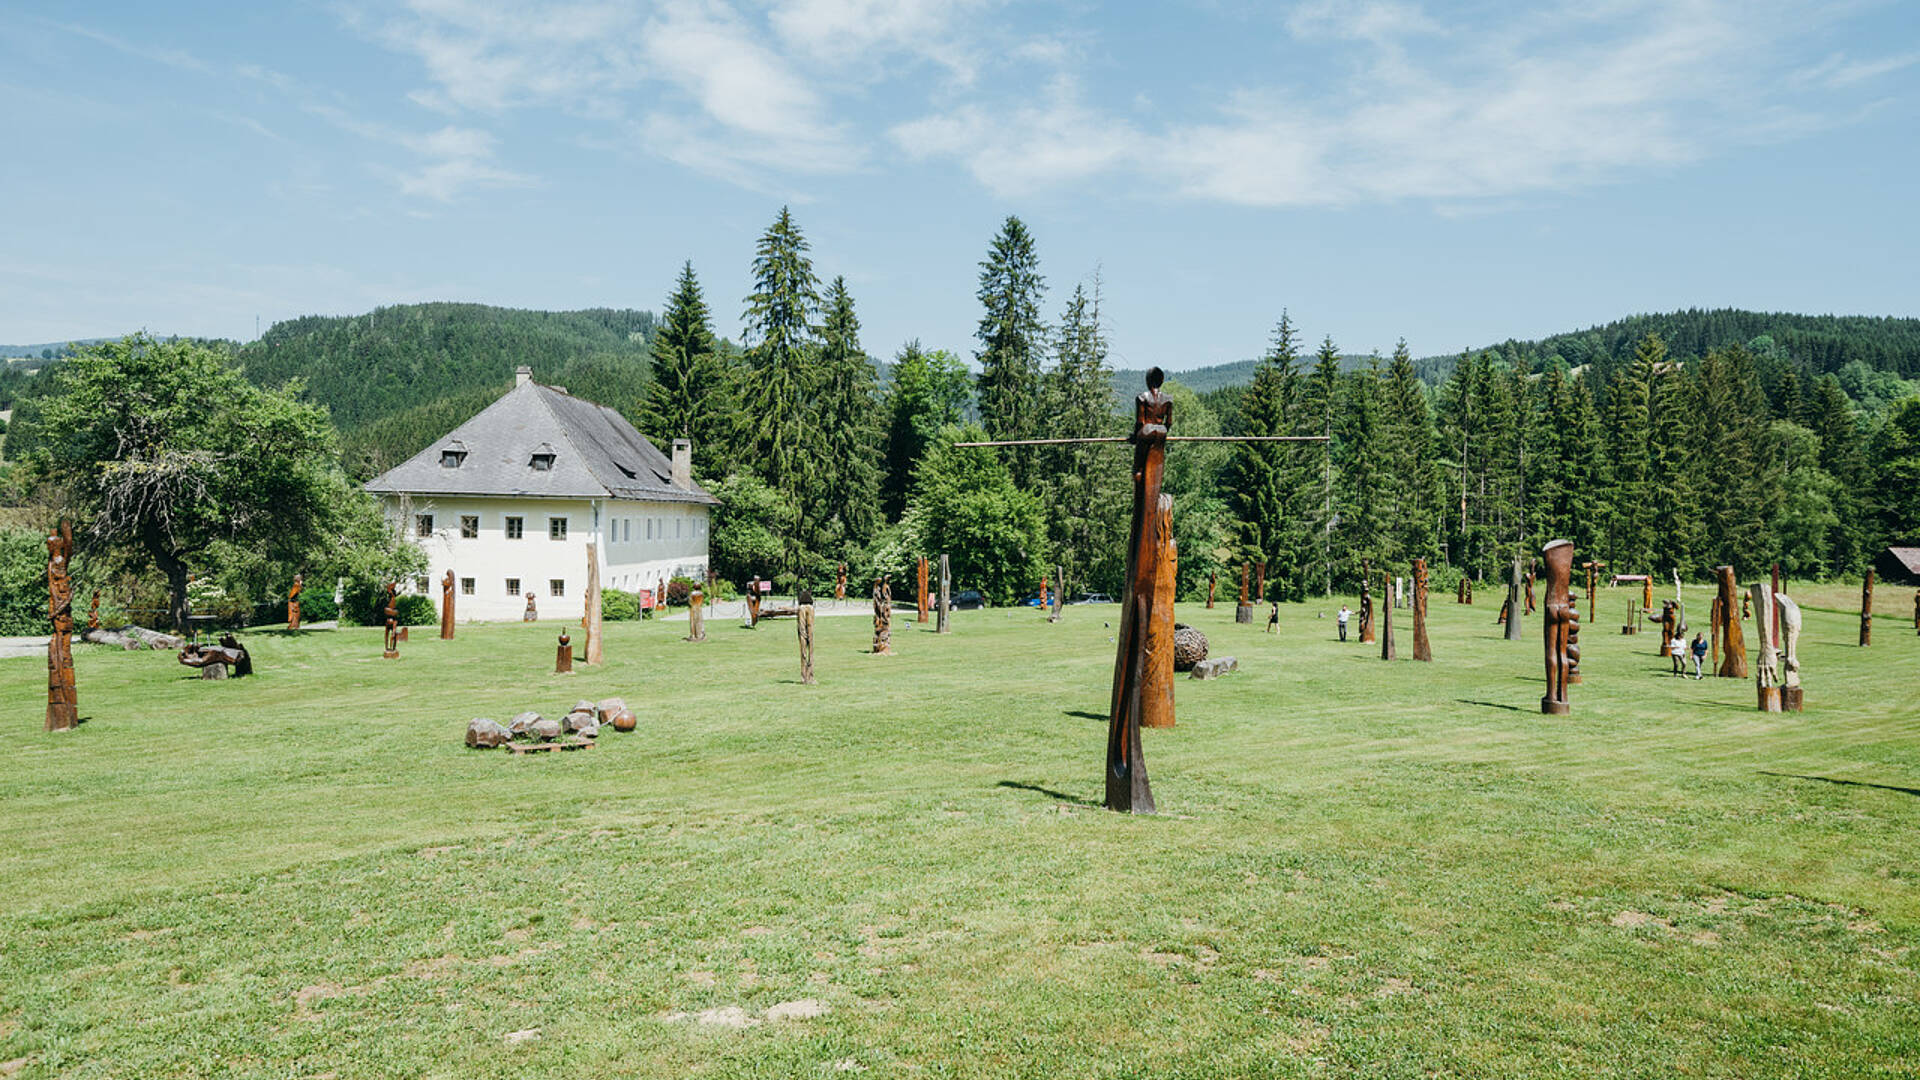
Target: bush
[
  {"x": 618, "y": 606},
  {"x": 23, "y": 583},
  {"x": 363, "y": 608},
  {"x": 412, "y": 610},
  {"x": 315, "y": 606},
  {"x": 678, "y": 590}
]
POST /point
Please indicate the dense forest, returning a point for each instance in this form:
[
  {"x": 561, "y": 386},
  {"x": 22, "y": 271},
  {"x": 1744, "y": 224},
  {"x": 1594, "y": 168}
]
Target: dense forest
[{"x": 1657, "y": 442}]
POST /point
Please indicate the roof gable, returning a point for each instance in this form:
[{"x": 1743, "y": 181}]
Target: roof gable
[{"x": 596, "y": 454}]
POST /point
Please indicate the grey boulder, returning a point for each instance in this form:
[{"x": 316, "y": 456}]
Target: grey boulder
[
  {"x": 1213, "y": 669},
  {"x": 546, "y": 730},
  {"x": 523, "y": 723},
  {"x": 485, "y": 734}
]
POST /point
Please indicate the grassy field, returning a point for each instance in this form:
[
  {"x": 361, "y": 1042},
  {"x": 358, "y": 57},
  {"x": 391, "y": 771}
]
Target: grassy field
[{"x": 1360, "y": 868}]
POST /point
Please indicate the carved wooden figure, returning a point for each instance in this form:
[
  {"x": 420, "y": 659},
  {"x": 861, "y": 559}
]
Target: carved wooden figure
[
  {"x": 446, "y": 607},
  {"x": 1733, "y": 644},
  {"x": 882, "y": 617},
  {"x": 63, "y": 703},
  {"x": 1213, "y": 580},
  {"x": 840, "y": 583},
  {"x": 1387, "y": 650},
  {"x": 293, "y": 601},
  {"x": 1156, "y": 693},
  {"x": 1766, "y": 670},
  {"x": 1243, "y": 613},
  {"x": 696, "y": 615},
  {"x": 1127, "y": 788},
  {"x": 1560, "y": 628},
  {"x": 1791, "y": 698},
  {"x": 1366, "y": 602},
  {"x": 1059, "y": 594},
  {"x": 940, "y": 623},
  {"x": 1646, "y": 594},
  {"x": 753, "y": 601},
  {"x": 923, "y": 600},
  {"x": 1669, "y": 626},
  {"x": 1260, "y": 581},
  {"x": 1422, "y": 649},
  {"x": 1513, "y": 603},
  {"x": 532, "y": 614},
  {"x": 803, "y": 624},
  {"x": 1530, "y": 606},
  {"x": 1866, "y": 609},
  {"x": 595, "y": 650},
  {"x": 563, "y": 655},
  {"x": 392, "y": 613},
  {"x": 93, "y": 612},
  {"x": 1045, "y": 593}
]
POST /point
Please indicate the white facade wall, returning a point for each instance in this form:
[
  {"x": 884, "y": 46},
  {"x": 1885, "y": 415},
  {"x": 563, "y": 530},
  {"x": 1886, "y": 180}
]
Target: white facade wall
[{"x": 640, "y": 542}]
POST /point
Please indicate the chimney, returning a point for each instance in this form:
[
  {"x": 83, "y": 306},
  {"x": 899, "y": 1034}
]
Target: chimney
[
  {"x": 522, "y": 375},
  {"x": 683, "y": 464}
]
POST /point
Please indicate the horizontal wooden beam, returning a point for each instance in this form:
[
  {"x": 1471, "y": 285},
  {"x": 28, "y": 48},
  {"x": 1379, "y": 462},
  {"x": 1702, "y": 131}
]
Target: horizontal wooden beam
[{"x": 1170, "y": 438}]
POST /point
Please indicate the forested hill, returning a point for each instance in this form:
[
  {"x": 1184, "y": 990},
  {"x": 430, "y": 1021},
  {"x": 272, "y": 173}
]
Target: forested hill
[
  {"x": 1813, "y": 344},
  {"x": 370, "y": 367}
]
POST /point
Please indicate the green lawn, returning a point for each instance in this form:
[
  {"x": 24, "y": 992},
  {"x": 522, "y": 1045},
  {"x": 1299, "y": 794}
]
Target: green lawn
[{"x": 1360, "y": 868}]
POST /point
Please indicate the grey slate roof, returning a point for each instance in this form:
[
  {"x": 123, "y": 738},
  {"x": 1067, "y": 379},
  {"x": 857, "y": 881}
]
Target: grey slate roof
[{"x": 597, "y": 454}]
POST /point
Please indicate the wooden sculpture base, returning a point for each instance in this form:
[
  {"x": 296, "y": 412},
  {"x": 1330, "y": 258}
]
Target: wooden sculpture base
[
  {"x": 1792, "y": 698},
  {"x": 1555, "y": 708},
  {"x": 390, "y": 655},
  {"x": 1769, "y": 699},
  {"x": 1243, "y": 613}
]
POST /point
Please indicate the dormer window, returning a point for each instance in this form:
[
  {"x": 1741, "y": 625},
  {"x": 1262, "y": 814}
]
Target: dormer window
[
  {"x": 542, "y": 459},
  {"x": 453, "y": 454}
]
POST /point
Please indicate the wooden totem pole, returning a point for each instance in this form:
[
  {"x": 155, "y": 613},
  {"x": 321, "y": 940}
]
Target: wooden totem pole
[
  {"x": 882, "y": 617},
  {"x": 923, "y": 601},
  {"x": 941, "y": 624},
  {"x": 1156, "y": 696},
  {"x": 1213, "y": 579},
  {"x": 840, "y": 584},
  {"x": 293, "y": 601},
  {"x": 446, "y": 607},
  {"x": 1422, "y": 649},
  {"x": 1866, "y": 609},
  {"x": 1243, "y": 613},
  {"x": 63, "y": 702},
  {"x": 1733, "y": 643},
  {"x": 1561, "y": 628},
  {"x": 1366, "y": 601},
  {"x": 803, "y": 626}
]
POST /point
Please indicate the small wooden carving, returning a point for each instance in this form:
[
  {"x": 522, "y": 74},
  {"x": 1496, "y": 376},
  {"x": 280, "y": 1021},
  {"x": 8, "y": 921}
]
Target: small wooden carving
[
  {"x": 93, "y": 612},
  {"x": 63, "y": 707},
  {"x": 1791, "y": 698},
  {"x": 1866, "y": 609},
  {"x": 923, "y": 600},
  {"x": 840, "y": 583},
  {"x": 1213, "y": 580},
  {"x": 1045, "y": 597},
  {"x": 1733, "y": 645},
  {"x": 1530, "y": 606},
  {"x": 446, "y": 607},
  {"x": 882, "y": 617},
  {"x": 1766, "y": 673},
  {"x": 1387, "y": 651},
  {"x": 1422, "y": 650},
  {"x": 696, "y": 615},
  {"x": 392, "y": 613},
  {"x": 563, "y": 655},
  {"x": 753, "y": 601},
  {"x": 293, "y": 601},
  {"x": 530, "y": 615},
  {"x": 1561, "y": 628},
  {"x": 803, "y": 624}
]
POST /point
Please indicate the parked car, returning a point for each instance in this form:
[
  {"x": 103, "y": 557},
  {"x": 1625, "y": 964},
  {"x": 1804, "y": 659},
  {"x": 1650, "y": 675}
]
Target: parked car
[
  {"x": 1032, "y": 601},
  {"x": 1094, "y": 598},
  {"x": 968, "y": 600}
]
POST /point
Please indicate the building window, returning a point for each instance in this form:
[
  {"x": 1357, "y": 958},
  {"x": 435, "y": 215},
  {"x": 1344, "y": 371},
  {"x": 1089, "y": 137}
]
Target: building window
[
  {"x": 423, "y": 525},
  {"x": 649, "y": 528},
  {"x": 557, "y": 528},
  {"x": 676, "y": 527},
  {"x": 515, "y": 527},
  {"x": 469, "y": 526},
  {"x": 451, "y": 459},
  {"x": 513, "y": 586},
  {"x": 557, "y": 586},
  {"x": 466, "y": 586},
  {"x": 542, "y": 459}
]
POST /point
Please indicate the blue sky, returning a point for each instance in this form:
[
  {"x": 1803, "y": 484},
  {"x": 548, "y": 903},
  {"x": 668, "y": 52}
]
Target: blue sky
[{"x": 1452, "y": 174}]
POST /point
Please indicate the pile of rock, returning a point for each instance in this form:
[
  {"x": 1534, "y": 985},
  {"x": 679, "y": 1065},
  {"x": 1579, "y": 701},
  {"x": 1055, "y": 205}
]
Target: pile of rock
[{"x": 583, "y": 721}]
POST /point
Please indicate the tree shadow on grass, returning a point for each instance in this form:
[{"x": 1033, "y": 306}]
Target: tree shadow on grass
[
  {"x": 1084, "y": 714},
  {"x": 1844, "y": 783},
  {"x": 1059, "y": 796},
  {"x": 1491, "y": 705}
]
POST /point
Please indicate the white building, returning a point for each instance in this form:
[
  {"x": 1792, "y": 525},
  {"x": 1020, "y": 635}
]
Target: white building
[{"x": 511, "y": 499}]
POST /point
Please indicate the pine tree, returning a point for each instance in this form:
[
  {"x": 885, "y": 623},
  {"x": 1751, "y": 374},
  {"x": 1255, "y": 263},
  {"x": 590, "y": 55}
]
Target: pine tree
[
  {"x": 689, "y": 397},
  {"x": 1733, "y": 489},
  {"x": 782, "y": 434},
  {"x": 1412, "y": 505},
  {"x": 1673, "y": 509},
  {"x": 1830, "y": 414},
  {"x": 1630, "y": 535},
  {"x": 1012, "y": 338},
  {"x": 1085, "y": 506},
  {"x": 847, "y": 414},
  {"x": 926, "y": 392},
  {"x": 1318, "y": 401},
  {"x": 1360, "y": 495},
  {"x": 1256, "y": 473}
]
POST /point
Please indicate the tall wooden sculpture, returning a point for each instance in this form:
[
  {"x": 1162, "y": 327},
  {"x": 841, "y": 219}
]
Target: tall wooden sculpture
[
  {"x": 392, "y": 614},
  {"x": 1213, "y": 579},
  {"x": 1561, "y": 628},
  {"x": 924, "y": 604},
  {"x": 840, "y": 584},
  {"x": 882, "y": 617},
  {"x": 1045, "y": 592},
  {"x": 63, "y": 702},
  {"x": 940, "y": 625},
  {"x": 293, "y": 601},
  {"x": 696, "y": 615},
  {"x": 1260, "y": 581},
  {"x": 1422, "y": 650},
  {"x": 803, "y": 623},
  {"x": 1387, "y": 651},
  {"x": 93, "y": 612},
  {"x": 1530, "y": 575},
  {"x": 1513, "y": 603},
  {"x": 1733, "y": 643},
  {"x": 1059, "y": 594},
  {"x": 1866, "y": 609},
  {"x": 753, "y": 601},
  {"x": 1791, "y": 698},
  {"x": 1243, "y": 613},
  {"x": 595, "y": 653},
  {"x": 1127, "y": 787},
  {"x": 1156, "y": 695},
  {"x": 1366, "y": 602},
  {"x": 446, "y": 607},
  {"x": 1766, "y": 673}
]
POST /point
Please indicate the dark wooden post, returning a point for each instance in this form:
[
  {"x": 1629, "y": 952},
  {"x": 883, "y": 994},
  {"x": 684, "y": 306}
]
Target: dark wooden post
[
  {"x": 1127, "y": 788},
  {"x": 803, "y": 623},
  {"x": 1244, "y": 612},
  {"x": 392, "y": 613},
  {"x": 1213, "y": 579},
  {"x": 63, "y": 705},
  {"x": 1560, "y": 628},
  {"x": 1866, "y": 609},
  {"x": 940, "y": 625},
  {"x": 446, "y": 607},
  {"x": 1366, "y": 602},
  {"x": 1513, "y": 604},
  {"x": 1422, "y": 650},
  {"x": 1733, "y": 651},
  {"x": 563, "y": 655}
]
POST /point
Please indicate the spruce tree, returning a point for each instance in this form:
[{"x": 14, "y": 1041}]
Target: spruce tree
[
  {"x": 1012, "y": 338},
  {"x": 781, "y": 431},
  {"x": 926, "y": 392},
  {"x": 1630, "y": 533},
  {"x": 689, "y": 397},
  {"x": 1085, "y": 483},
  {"x": 1733, "y": 495},
  {"x": 1318, "y": 402},
  {"x": 1361, "y": 478},
  {"x": 1256, "y": 473},
  {"x": 847, "y": 413},
  {"x": 1412, "y": 506}
]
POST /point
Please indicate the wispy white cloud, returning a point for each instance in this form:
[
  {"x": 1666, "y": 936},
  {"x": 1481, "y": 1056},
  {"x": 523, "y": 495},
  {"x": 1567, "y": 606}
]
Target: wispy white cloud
[
  {"x": 1056, "y": 139},
  {"x": 451, "y": 159},
  {"x": 1841, "y": 70},
  {"x": 159, "y": 54}
]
